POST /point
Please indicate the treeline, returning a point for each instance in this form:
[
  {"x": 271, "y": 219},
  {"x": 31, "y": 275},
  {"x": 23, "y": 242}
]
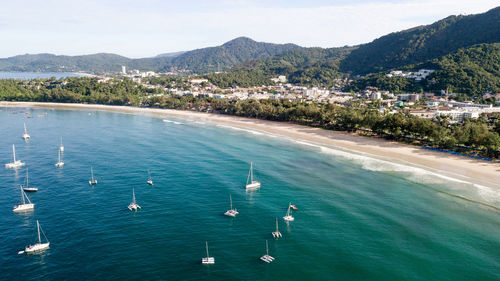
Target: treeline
[
  {"x": 75, "y": 90},
  {"x": 473, "y": 136}
]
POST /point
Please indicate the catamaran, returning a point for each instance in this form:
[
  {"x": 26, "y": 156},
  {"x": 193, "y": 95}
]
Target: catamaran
[
  {"x": 59, "y": 163},
  {"x": 25, "y": 135},
  {"x": 150, "y": 180},
  {"x": 251, "y": 184},
  {"x": 267, "y": 258},
  {"x": 231, "y": 212},
  {"x": 208, "y": 259},
  {"x": 288, "y": 216},
  {"x": 92, "y": 180},
  {"x": 15, "y": 163},
  {"x": 133, "y": 206},
  {"x": 24, "y": 207},
  {"x": 61, "y": 147},
  {"x": 277, "y": 233},
  {"x": 37, "y": 247},
  {"x": 27, "y": 187}
]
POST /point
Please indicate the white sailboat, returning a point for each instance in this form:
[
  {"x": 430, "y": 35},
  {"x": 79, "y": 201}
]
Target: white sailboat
[
  {"x": 25, "y": 135},
  {"x": 208, "y": 259},
  {"x": 277, "y": 233},
  {"x": 150, "y": 180},
  {"x": 267, "y": 258},
  {"x": 288, "y": 216},
  {"x": 59, "y": 163},
  {"x": 231, "y": 212},
  {"x": 251, "y": 184},
  {"x": 133, "y": 206},
  {"x": 24, "y": 207},
  {"x": 92, "y": 180},
  {"x": 61, "y": 147},
  {"x": 15, "y": 163},
  {"x": 37, "y": 247},
  {"x": 27, "y": 187}
]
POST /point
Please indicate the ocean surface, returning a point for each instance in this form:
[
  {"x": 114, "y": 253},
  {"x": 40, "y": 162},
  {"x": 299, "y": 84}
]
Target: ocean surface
[
  {"x": 359, "y": 218},
  {"x": 37, "y": 75}
]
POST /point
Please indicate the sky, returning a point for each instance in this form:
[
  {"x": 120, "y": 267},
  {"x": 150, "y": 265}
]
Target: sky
[{"x": 145, "y": 28}]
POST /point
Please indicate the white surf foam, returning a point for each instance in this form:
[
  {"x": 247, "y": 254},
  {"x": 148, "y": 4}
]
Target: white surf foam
[
  {"x": 170, "y": 121},
  {"x": 241, "y": 129}
]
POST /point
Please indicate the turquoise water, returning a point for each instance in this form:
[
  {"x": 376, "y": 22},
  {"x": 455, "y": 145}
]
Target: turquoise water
[
  {"x": 354, "y": 222},
  {"x": 36, "y": 75}
]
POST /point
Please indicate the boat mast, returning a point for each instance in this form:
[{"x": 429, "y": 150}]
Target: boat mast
[
  {"x": 277, "y": 225},
  {"x": 230, "y": 202},
  {"x": 27, "y": 183},
  {"x": 133, "y": 195},
  {"x": 38, "y": 228},
  {"x": 14, "y": 152},
  {"x": 267, "y": 248},
  {"x": 251, "y": 172},
  {"x": 91, "y": 174},
  {"x": 22, "y": 195},
  {"x": 25, "y": 130},
  {"x": 288, "y": 211},
  {"x": 206, "y": 244}
]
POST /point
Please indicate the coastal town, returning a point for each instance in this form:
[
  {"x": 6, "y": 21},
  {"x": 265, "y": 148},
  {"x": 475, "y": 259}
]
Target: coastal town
[{"x": 423, "y": 105}]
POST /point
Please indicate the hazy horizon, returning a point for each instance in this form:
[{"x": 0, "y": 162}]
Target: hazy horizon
[{"x": 154, "y": 27}]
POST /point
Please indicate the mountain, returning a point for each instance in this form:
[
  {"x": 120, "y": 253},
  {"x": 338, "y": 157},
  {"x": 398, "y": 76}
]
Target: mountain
[
  {"x": 199, "y": 61},
  {"x": 423, "y": 43},
  {"x": 229, "y": 54}
]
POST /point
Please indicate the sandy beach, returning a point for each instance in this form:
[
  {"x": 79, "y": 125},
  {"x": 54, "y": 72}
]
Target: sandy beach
[{"x": 458, "y": 167}]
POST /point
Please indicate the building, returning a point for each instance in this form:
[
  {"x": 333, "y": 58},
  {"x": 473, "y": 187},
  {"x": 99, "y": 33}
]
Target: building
[
  {"x": 457, "y": 115},
  {"x": 408, "y": 97},
  {"x": 124, "y": 69},
  {"x": 280, "y": 79},
  {"x": 376, "y": 96}
]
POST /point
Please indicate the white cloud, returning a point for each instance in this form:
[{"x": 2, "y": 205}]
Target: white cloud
[{"x": 152, "y": 27}]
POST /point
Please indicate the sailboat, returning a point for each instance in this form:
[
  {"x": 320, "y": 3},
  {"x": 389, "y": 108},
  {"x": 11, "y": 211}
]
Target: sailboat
[
  {"x": 251, "y": 184},
  {"x": 37, "y": 247},
  {"x": 16, "y": 163},
  {"x": 25, "y": 135},
  {"x": 288, "y": 216},
  {"x": 59, "y": 163},
  {"x": 27, "y": 187},
  {"x": 231, "y": 212},
  {"x": 208, "y": 259},
  {"x": 24, "y": 207},
  {"x": 61, "y": 147},
  {"x": 267, "y": 258},
  {"x": 150, "y": 180},
  {"x": 277, "y": 233},
  {"x": 133, "y": 206},
  {"x": 92, "y": 180}
]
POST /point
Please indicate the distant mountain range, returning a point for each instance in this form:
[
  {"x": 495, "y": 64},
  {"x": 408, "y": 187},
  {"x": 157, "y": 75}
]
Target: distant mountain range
[
  {"x": 448, "y": 45},
  {"x": 197, "y": 61}
]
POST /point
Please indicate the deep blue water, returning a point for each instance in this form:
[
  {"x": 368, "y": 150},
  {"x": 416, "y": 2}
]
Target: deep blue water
[
  {"x": 356, "y": 220},
  {"x": 36, "y": 75}
]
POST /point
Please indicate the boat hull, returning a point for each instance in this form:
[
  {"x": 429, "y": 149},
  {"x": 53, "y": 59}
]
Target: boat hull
[
  {"x": 231, "y": 213},
  {"x": 24, "y": 208},
  {"x": 288, "y": 218},
  {"x": 208, "y": 260},
  {"x": 30, "y": 189},
  {"x": 14, "y": 165},
  {"x": 37, "y": 248},
  {"x": 253, "y": 185}
]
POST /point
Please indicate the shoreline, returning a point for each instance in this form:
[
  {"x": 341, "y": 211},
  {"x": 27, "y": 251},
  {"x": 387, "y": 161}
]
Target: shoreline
[{"x": 457, "y": 167}]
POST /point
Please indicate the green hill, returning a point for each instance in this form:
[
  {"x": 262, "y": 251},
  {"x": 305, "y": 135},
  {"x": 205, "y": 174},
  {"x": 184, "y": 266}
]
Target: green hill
[{"x": 423, "y": 43}]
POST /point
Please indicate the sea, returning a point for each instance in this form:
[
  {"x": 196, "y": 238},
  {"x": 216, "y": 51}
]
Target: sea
[
  {"x": 38, "y": 75},
  {"x": 358, "y": 218}
]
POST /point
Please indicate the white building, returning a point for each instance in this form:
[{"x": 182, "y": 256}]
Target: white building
[
  {"x": 457, "y": 115},
  {"x": 376, "y": 96},
  {"x": 124, "y": 69}
]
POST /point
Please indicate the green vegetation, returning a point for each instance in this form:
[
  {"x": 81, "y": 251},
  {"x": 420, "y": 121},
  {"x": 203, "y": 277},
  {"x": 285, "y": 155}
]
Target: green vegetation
[
  {"x": 424, "y": 43},
  {"x": 478, "y": 137}
]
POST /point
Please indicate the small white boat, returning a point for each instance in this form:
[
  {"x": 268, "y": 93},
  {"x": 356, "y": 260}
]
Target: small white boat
[
  {"x": 294, "y": 207},
  {"x": 231, "y": 212},
  {"x": 92, "y": 180},
  {"x": 27, "y": 187},
  {"x": 25, "y": 135},
  {"x": 61, "y": 147},
  {"x": 133, "y": 206},
  {"x": 150, "y": 180},
  {"x": 15, "y": 163},
  {"x": 267, "y": 258},
  {"x": 24, "y": 207},
  {"x": 288, "y": 216},
  {"x": 59, "y": 163},
  {"x": 251, "y": 184},
  {"x": 208, "y": 259},
  {"x": 37, "y": 247},
  {"x": 277, "y": 233}
]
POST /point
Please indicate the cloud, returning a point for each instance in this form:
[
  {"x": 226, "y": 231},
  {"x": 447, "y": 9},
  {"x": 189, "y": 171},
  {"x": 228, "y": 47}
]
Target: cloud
[{"x": 146, "y": 28}]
